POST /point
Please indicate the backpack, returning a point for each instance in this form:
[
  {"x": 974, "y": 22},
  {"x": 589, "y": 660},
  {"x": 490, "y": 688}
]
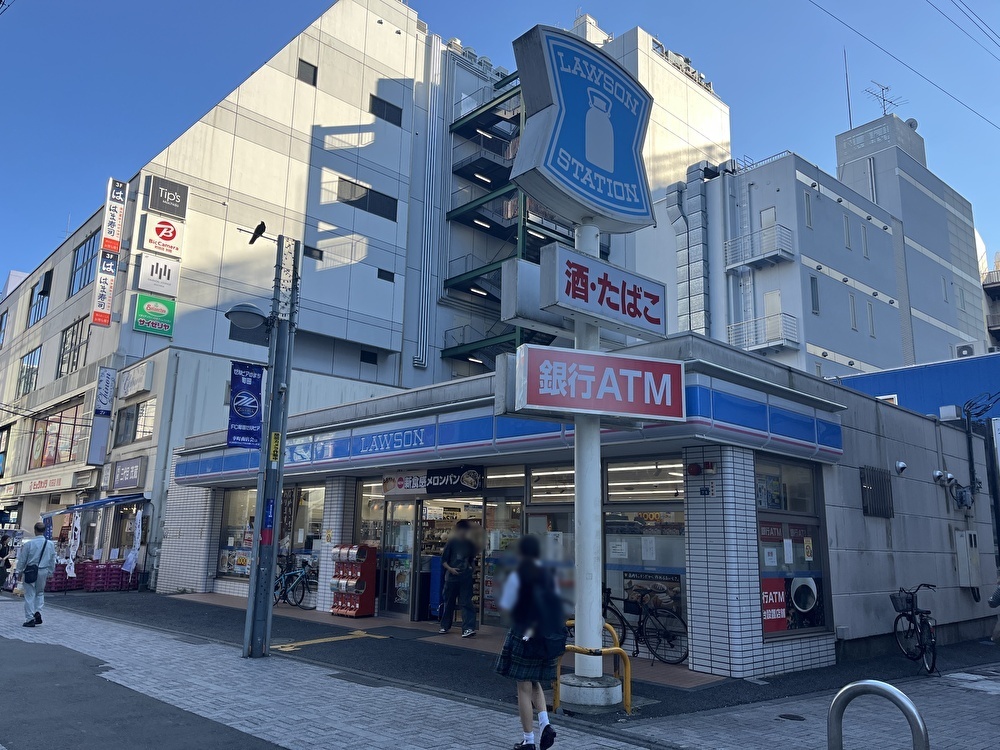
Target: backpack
[{"x": 549, "y": 640}]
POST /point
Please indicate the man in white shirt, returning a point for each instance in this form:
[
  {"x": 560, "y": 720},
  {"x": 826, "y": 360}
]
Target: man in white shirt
[{"x": 41, "y": 552}]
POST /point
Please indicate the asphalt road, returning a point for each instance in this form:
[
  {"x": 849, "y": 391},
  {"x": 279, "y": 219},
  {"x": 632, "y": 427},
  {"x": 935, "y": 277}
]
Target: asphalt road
[{"x": 421, "y": 665}]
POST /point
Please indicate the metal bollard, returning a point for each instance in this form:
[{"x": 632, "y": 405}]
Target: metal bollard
[{"x": 835, "y": 718}]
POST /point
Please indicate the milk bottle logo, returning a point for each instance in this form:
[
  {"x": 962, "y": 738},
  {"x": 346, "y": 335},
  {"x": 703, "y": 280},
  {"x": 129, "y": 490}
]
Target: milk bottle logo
[{"x": 600, "y": 133}]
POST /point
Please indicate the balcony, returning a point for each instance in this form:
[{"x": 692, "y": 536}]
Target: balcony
[
  {"x": 484, "y": 160},
  {"x": 991, "y": 284},
  {"x": 765, "y": 247},
  {"x": 467, "y": 343},
  {"x": 780, "y": 331},
  {"x": 993, "y": 324},
  {"x": 485, "y": 112}
]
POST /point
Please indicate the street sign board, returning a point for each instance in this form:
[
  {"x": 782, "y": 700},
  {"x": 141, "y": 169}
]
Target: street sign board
[
  {"x": 154, "y": 315},
  {"x": 583, "y": 287},
  {"x": 163, "y": 235},
  {"x": 560, "y": 382},
  {"x": 167, "y": 197},
  {"x": 581, "y": 148},
  {"x": 159, "y": 275},
  {"x": 104, "y": 289},
  {"x": 246, "y": 412},
  {"x": 113, "y": 228}
]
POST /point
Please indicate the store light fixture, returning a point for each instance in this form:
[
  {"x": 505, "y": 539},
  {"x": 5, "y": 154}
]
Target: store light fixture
[
  {"x": 652, "y": 483},
  {"x": 482, "y": 177},
  {"x": 539, "y": 235},
  {"x": 477, "y": 290},
  {"x": 475, "y": 361},
  {"x": 643, "y": 467},
  {"x": 484, "y": 133},
  {"x": 504, "y": 476},
  {"x": 480, "y": 222},
  {"x": 552, "y": 473}
]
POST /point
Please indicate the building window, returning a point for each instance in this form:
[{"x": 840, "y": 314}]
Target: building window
[
  {"x": 814, "y": 293},
  {"x": 960, "y": 297},
  {"x": 944, "y": 288},
  {"x": 809, "y": 209},
  {"x": 84, "y": 264},
  {"x": 385, "y": 110},
  {"x": 135, "y": 422},
  {"x": 56, "y": 438},
  {"x": 369, "y": 357},
  {"x": 3, "y": 327},
  {"x": 386, "y": 275},
  {"x": 876, "y": 492},
  {"x": 871, "y": 320},
  {"x": 73, "y": 350},
  {"x": 847, "y": 231},
  {"x": 4, "y": 444},
  {"x": 819, "y": 370},
  {"x": 39, "y": 302},
  {"x": 27, "y": 377},
  {"x": 864, "y": 241},
  {"x": 790, "y": 546},
  {"x": 307, "y": 72},
  {"x": 366, "y": 199},
  {"x": 854, "y": 313},
  {"x": 872, "y": 192},
  {"x": 553, "y": 484}
]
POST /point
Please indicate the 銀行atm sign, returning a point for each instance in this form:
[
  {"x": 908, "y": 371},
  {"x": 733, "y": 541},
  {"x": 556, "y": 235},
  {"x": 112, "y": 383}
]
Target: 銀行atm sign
[{"x": 559, "y": 382}]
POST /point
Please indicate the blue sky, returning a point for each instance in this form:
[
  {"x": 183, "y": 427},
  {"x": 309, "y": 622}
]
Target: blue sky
[{"x": 91, "y": 90}]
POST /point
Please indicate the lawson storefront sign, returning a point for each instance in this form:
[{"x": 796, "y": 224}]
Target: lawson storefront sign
[{"x": 581, "y": 148}]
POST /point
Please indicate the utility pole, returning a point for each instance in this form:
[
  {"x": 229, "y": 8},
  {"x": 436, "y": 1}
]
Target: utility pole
[{"x": 281, "y": 325}]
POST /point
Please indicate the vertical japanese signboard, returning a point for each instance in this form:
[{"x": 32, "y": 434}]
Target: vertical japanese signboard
[
  {"x": 113, "y": 230},
  {"x": 112, "y": 234},
  {"x": 104, "y": 288},
  {"x": 245, "y": 412}
]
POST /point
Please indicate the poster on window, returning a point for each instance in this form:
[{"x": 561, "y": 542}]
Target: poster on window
[
  {"x": 663, "y": 590},
  {"x": 792, "y": 603},
  {"x": 768, "y": 491}
]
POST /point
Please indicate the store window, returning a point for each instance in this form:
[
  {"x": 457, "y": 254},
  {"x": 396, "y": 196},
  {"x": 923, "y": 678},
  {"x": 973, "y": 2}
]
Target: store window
[
  {"x": 790, "y": 547},
  {"x": 505, "y": 476},
  {"x": 135, "y": 422},
  {"x": 646, "y": 481},
  {"x": 84, "y": 264},
  {"x": 38, "y": 304},
  {"x": 307, "y": 519},
  {"x": 56, "y": 437},
  {"x": 27, "y": 376},
  {"x": 371, "y": 502},
  {"x": 4, "y": 444},
  {"x": 236, "y": 543},
  {"x": 553, "y": 484},
  {"x": 3, "y": 327},
  {"x": 73, "y": 349}
]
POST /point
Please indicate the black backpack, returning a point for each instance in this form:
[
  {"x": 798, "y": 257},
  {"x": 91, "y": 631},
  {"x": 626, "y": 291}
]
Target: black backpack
[{"x": 550, "y": 636}]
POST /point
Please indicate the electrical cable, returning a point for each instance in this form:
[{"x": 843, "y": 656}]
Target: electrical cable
[
  {"x": 961, "y": 28},
  {"x": 909, "y": 67},
  {"x": 990, "y": 34}
]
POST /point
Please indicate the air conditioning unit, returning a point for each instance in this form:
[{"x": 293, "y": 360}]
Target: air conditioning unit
[{"x": 965, "y": 350}]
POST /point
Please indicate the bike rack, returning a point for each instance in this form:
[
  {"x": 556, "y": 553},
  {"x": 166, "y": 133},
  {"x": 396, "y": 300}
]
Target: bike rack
[
  {"x": 615, "y": 650},
  {"x": 835, "y": 718},
  {"x": 614, "y": 640}
]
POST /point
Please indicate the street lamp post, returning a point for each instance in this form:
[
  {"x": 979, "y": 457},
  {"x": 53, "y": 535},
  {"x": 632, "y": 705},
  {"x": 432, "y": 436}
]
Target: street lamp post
[{"x": 281, "y": 325}]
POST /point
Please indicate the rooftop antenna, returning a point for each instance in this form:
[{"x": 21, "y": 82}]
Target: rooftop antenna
[
  {"x": 68, "y": 216},
  {"x": 888, "y": 103},
  {"x": 847, "y": 79}
]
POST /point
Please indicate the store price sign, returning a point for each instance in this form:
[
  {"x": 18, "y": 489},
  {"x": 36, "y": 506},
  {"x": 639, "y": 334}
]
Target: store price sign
[{"x": 559, "y": 382}]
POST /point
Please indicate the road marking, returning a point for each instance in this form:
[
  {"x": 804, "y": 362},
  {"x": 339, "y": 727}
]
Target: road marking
[{"x": 354, "y": 634}]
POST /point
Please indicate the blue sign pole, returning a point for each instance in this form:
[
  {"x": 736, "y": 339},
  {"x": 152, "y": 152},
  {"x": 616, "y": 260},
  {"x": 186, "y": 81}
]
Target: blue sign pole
[{"x": 245, "y": 411}]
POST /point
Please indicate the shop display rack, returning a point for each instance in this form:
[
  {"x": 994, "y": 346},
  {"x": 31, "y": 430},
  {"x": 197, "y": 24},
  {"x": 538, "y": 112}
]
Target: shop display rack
[{"x": 353, "y": 581}]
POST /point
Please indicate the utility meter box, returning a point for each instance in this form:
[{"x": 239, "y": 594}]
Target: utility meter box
[{"x": 967, "y": 549}]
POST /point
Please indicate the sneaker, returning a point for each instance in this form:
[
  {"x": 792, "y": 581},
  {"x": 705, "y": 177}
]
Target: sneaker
[
  {"x": 443, "y": 630},
  {"x": 29, "y": 624},
  {"x": 523, "y": 746},
  {"x": 38, "y": 618},
  {"x": 548, "y": 737},
  {"x": 994, "y": 600},
  {"x": 468, "y": 634}
]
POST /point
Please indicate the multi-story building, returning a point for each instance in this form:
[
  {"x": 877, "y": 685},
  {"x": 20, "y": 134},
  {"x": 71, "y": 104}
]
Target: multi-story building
[{"x": 831, "y": 276}]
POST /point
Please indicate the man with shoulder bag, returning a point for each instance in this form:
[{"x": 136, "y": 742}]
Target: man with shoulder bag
[{"x": 36, "y": 561}]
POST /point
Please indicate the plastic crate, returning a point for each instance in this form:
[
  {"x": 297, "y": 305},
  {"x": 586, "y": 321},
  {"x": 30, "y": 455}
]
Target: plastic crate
[{"x": 902, "y": 601}]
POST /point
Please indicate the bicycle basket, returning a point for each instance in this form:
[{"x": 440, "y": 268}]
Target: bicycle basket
[{"x": 902, "y": 601}]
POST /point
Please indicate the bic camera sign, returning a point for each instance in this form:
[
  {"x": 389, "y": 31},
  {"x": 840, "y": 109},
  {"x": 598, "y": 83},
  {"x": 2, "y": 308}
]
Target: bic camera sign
[{"x": 581, "y": 151}]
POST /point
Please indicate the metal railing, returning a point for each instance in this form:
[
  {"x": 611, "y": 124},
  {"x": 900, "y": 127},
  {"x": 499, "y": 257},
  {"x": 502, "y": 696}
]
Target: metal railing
[
  {"x": 991, "y": 277},
  {"x": 993, "y": 320},
  {"x": 774, "y": 242},
  {"x": 617, "y": 651},
  {"x": 781, "y": 329},
  {"x": 835, "y": 718}
]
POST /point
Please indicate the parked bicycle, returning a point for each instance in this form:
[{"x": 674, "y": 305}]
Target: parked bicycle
[
  {"x": 291, "y": 586},
  {"x": 661, "y": 630},
  {"x": 915, "y": 630}
]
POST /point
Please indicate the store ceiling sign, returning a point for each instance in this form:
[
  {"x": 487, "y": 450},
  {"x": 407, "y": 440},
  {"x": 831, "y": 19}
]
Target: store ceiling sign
[
  {"x": 405, "y": 483},
  {"x": 463, "y": 480},
  {"x": 104, "y": 289},
  {"x": 581, "y": 147},
  {"x": 162, "y": 235},
  {"x": 422, "y": 438},
  {"x": 167, "y": 197},
  {"x": 154, "y": 315},
  {"x": 135, "y": 380},
  {"x": 8, "y": 491},
  {"x": 558, "y": 382},
  {"x": 159, "y": 275},
  {"x": 129, "y": 474},
  {"x": 113, "y": 229},
  {"x": 592, "y": 291},
  {"x": 49, "y": 484}
]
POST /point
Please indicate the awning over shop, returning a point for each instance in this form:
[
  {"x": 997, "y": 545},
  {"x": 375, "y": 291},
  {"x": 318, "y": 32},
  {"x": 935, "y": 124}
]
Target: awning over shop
[{"x": 98, "y": 504}]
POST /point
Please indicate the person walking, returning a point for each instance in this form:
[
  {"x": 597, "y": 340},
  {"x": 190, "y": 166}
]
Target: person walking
[
  {"x": 458, "y": 559},
  {"x": 36, "y": 561},
  {"x": 521, "y": 659},
  {"x": 4, "y": 560}
]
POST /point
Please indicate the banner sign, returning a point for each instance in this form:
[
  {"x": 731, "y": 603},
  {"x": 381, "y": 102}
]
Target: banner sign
[
  {"x": 558, "y": 382},
  {"x": 104, "y": 392},
  {"x": 162, "y": 235},
  {"x": 464, "y": 480},
  {"x": 113, "y": 229},
  {"x": 774, "y": 604},
  {"x": 159, "y": 275},
  {"x": 167, "y": 197},
  {"x": 581, "y": 147},
  {"x": 104, "y": 289},
  {"x": 74, "y": 545},
  {"x": 582, "y": 287},
  {"x": 245, "y": 411},
  {"x": 154, "y": 315},
  {"x": 129, "y": 474}
]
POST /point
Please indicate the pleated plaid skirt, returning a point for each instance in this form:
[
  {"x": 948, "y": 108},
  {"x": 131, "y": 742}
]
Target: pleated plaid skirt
[{"x": 516, "y": 662}]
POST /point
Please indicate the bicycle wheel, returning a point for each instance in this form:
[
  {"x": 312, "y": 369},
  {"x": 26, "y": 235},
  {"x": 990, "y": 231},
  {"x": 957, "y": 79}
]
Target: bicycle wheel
[
  {"x": 928, "y": 642},
  {"x": 907, "y": 637},
  {"x": 666, "y": 635},
  {"x": 615, "y": 620},
  {"x": 312, "y": 586},
  {"x": 279, "y": 585},
  {"x": 297, "y": 591}
]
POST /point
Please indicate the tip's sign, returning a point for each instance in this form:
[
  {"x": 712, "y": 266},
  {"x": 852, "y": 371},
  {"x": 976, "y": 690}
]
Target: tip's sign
[{"x": 581, "y": 150}]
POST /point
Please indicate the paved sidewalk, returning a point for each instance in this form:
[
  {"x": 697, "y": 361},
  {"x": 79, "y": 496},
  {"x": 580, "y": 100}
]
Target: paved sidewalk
[{"x": 289, "y": 703}]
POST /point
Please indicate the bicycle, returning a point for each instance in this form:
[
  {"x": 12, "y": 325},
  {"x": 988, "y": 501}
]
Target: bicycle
[
  {"x": 291, "y": 586},
  {"x": 915, "y": 631},
  {"x": 663, "y": 631}
]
